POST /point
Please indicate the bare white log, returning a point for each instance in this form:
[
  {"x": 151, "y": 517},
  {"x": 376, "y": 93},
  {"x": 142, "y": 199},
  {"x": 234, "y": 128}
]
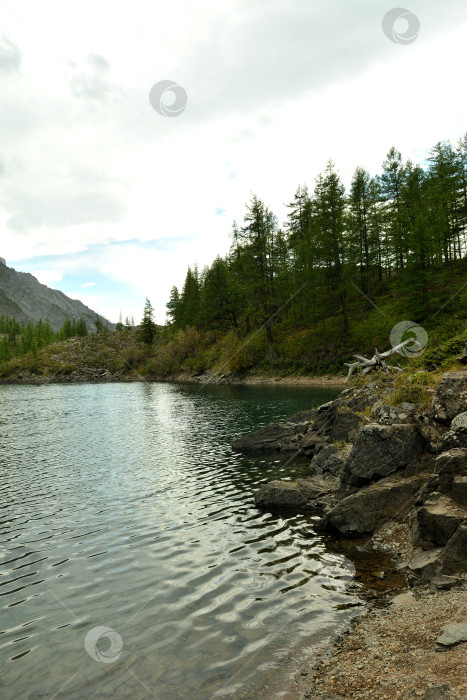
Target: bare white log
[{"x": 378, "y": 360}]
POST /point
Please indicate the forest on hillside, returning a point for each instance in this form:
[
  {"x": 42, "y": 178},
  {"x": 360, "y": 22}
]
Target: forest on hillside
[{"x": 404, "y": 224}]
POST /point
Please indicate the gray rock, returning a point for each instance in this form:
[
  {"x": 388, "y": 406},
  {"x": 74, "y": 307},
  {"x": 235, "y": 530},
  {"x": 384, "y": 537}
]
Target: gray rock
[
  {"x": 362, "y": 512},
  {"x": 310, "y": 441},
  {"x": 303, "y": 416},
  {"x": 281, "y": 493},
  {"x": 425, "y": 565},
  {"x": 326, "y": 415},
  {"x": 297, "y": 495},
  {"x": 454, "y": 558},
  {"x": 403, "y": 600},
  {"x": 453, "y": 634},
  {"x": 328, "y": 459},
  {"x": 457, "y": 435},
  {"x": 358, "y": 399},
  {"x": 430, "y": 432},
  {"x": 452, "y": 462},
  {"x": 268, "y": 439},
  {"x": 387, "y": 415},
  {"x": 448, "y": 465},
  {"x": 345, "y": 426},
  {"x": 445, "y": 583},
  {"x": 450, "y": 398},
  {"x": 459, "y": 421},
  {"x": 380, "y": 450},
  {"x": 437, "y": 519},
  {"x": 439, "y": 692},
  {"x": 459, "y": 490}
]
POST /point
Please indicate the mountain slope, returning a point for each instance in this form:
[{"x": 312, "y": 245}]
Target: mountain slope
[{"x": 23, "y": 297}]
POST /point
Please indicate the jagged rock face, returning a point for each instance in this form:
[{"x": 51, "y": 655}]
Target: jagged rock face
[
  {"x": 23, "y": 297},
  {"x": 328, "y": 459},
  {"x": 450, "y": 398},
  {"x": 454, "y": 558},
  {"x": 380, "y": 450},
  {"x": 438, "y": 519},
  {"x": 362, "y": 512},
  {"x": 345, "y": 426},
  {"x": 430, "y": 432},
  {"x": 388, "y": 415},
  {"x": 457, "y": 434},
  {"x": 449, "y": 466}
]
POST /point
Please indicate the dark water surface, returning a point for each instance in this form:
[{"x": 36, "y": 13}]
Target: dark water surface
[{"x": 133, "y": 561}]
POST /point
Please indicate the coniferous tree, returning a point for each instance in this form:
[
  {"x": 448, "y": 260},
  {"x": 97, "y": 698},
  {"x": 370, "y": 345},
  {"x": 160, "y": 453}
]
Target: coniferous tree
[{"x": 148, "y": 328}]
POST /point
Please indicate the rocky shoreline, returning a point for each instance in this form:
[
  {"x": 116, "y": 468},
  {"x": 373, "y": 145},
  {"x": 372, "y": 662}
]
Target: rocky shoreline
[
  {"x": 396, "y": 474},
  {"x": 104, "y": 376}
]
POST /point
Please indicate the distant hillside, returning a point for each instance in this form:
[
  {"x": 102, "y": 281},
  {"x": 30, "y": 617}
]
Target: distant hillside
[{"x": 24, "y": 298}]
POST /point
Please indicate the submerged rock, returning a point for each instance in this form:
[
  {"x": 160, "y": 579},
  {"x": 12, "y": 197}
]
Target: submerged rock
[
  {"x": 300, "y": 494},
  {"x": 268, "y": 439}
]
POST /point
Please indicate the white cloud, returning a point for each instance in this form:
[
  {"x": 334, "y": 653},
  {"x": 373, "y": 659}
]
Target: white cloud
[
  {"x": 88, "y": 284},
  {"x": 274, "y": 90},
  {"x": 48, "y": 277}
]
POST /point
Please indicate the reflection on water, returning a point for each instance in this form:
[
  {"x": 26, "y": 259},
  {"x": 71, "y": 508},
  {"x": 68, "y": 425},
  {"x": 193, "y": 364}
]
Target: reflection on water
[{"x": 123, "y": 507}]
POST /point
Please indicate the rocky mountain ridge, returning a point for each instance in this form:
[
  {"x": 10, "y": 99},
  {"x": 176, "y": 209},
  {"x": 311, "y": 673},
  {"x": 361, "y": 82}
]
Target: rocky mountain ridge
[{"x": 24, "y": 298}]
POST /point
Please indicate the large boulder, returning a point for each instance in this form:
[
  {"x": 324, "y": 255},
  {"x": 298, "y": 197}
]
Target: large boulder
[
  {"x": 301, "y": 494},
  {"x": 454, "y": 558},
  {"x": 437, "y": 521},
  {"x": 362, "y": 512},
  {"x": 269, "y": 439},
  {"x": 380, "y": 450},
  {"x": 450, "y": 398}
]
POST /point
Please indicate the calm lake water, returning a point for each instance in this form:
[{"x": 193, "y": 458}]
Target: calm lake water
[{"x": 134, "y": 562}]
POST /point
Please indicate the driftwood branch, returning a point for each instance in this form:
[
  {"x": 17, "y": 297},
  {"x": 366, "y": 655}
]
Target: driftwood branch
[{"x": 378, "y": 360}]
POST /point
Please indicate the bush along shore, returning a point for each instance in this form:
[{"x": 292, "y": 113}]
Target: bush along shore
[{"x": 388, "y": 462}]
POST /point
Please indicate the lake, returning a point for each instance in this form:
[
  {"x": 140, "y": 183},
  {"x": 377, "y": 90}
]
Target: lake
[{"x": 134, "y": 563}]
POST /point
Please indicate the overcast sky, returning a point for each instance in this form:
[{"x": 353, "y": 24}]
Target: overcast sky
[{"x": 108, "y": 200}]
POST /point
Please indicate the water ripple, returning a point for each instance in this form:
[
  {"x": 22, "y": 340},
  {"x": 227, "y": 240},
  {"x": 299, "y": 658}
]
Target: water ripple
[{"x": 123, "y": 507}]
